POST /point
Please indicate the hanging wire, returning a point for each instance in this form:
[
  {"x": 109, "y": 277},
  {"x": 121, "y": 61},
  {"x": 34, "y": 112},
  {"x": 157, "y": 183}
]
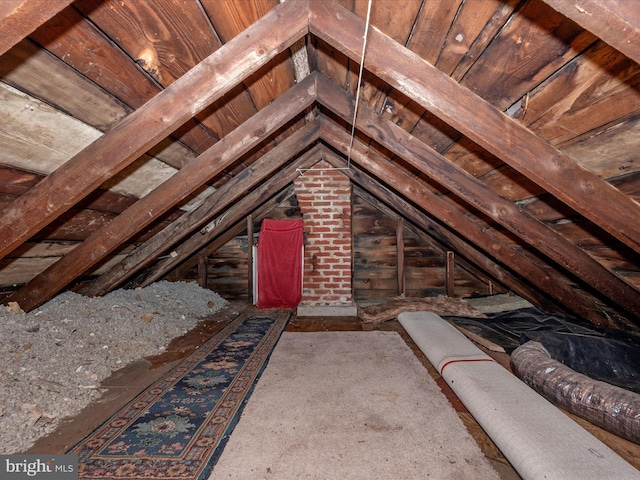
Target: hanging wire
[{"x": 355, "y": 110}]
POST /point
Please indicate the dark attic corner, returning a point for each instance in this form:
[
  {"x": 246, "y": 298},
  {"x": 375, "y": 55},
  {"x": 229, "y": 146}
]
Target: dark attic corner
[{"x": 332, "y": 212}]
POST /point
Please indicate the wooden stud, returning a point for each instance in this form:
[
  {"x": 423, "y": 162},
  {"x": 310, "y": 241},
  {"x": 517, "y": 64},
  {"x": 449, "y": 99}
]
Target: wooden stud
[
  {"x": 450, "y": 274},
  {"x": 400, "y": 255},
  {"x": 182, "y": 270},
  {"x": 250, "y": 257},
  {"x": 416, "y": 223},
  {"x": 202, "y": 269}
]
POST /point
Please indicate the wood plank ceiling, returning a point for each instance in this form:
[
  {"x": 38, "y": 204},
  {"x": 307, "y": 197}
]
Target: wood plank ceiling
[{"x": 507, "y": 130}]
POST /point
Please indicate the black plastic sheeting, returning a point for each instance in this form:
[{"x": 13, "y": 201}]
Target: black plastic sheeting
[{"x": 609, "y": 356}]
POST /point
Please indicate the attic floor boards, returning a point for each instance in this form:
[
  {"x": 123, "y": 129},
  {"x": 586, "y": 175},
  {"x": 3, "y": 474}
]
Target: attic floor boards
[{"x": 126, "y": 383}]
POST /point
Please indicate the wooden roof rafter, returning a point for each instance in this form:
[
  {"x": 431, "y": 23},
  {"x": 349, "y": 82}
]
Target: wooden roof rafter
[
  {"x": 224, "y": 196},
  {"x": 220, "y": 238},
  {"x": 159, "y": 117},
  {"x": 484, "y": 239},
  {"x": 391, "y": 62},
  {"x": 18, "y": 18},
  {"x": 617, "y": 22},
  {"x": 237, "y": 214},
  {"x": 430, "y": 227},
  {"x": 184, "y": 182},
  {"x": 415, "y": 192},
  {"x": 473, "y": 191},
  {"x": 480, "y": 121}
]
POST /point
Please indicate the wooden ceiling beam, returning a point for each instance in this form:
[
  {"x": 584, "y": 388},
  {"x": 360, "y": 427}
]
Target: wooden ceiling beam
[
  {"x": 224, "y": 196},
  {"x": 155, "y": 120},
  {"x": 483, "y": 123},
  {"x": 484, "y": 239},
  {"x": 617, "y": 22},
  {"x": 237, "y": 213},
  {"x": 18, "y": 18},
  {"x": 183, "y": 183},
  {"x": 473, "y": 191}
]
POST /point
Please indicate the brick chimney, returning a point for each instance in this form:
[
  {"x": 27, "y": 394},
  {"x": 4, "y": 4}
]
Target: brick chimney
[{"x": 324, "y": 197}]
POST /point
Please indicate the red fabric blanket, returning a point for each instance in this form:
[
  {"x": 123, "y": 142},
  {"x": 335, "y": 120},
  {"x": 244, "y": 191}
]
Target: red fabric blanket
[{"x": 280, "y": 263}]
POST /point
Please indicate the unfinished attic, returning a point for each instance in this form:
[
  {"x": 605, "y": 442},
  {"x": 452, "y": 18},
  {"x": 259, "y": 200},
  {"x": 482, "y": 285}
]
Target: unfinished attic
[{"x": 455, "y": 173}]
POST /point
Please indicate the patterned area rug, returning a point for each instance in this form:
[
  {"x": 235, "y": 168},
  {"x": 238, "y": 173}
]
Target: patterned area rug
[{"x": 177, "y": 428}]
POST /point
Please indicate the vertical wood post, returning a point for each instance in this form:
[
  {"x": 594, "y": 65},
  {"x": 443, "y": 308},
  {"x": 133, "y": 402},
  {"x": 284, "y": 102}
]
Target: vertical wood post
[
  {"x": 450, "y": 280},
  {"x": 173, "y": 276},
  {"x": 400, "y": 255},
  {"x": 250, "y": 258},
  {"x": 202, "y": 268}
]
